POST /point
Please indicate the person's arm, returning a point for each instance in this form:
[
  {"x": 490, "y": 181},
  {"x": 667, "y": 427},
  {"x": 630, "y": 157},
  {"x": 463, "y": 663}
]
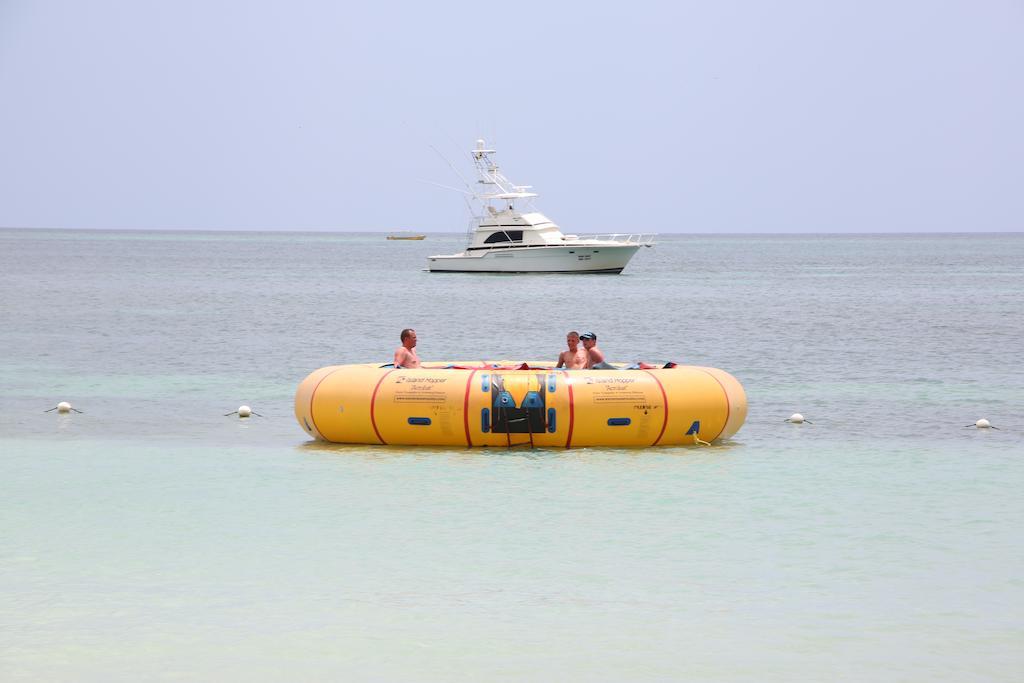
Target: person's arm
[
  {"x": 561, "y": 360},
  {"x": 595, "y": 356},
  {"x": 400, "y": 355}
]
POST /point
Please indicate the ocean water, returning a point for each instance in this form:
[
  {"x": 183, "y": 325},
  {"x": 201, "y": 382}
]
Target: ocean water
[{"x": 152, "y": 537}]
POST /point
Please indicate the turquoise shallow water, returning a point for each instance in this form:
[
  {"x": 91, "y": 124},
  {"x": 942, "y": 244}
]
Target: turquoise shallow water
[{"x": 151, "y": 536}]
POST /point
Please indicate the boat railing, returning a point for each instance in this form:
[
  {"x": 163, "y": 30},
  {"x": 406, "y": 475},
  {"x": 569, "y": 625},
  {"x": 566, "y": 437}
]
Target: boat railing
[{"x": 639, "y": 238}]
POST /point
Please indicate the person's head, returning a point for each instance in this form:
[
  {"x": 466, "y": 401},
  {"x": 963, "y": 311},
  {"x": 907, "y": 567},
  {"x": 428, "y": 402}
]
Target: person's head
[
  {"x": 409, "y": 338},
  {"x": 572, "y": 339},
  {"x": 589, "y": 340}
]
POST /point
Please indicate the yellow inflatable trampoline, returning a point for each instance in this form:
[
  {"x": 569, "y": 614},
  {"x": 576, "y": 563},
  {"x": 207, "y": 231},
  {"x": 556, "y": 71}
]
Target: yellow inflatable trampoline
[{"x": 505, "y": 404}]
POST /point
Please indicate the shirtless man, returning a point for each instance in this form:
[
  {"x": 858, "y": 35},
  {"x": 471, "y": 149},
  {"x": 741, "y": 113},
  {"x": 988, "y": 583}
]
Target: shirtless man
[
  {"x": 594, "y": 354},
  {"x": 405, "y": 355},
  {"x": 575, "y": 358}
]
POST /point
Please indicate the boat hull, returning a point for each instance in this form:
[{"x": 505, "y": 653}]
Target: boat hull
[
  {"x": 543, "y": 259},
  {"x": 498, "y": 404}
]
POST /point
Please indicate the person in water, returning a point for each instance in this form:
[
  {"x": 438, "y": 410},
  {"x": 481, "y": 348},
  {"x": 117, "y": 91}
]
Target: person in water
[
  {"x": 405, "y": 355},
  {"x": 595, "y": 358},
  {"x": 575, "y": 358}
]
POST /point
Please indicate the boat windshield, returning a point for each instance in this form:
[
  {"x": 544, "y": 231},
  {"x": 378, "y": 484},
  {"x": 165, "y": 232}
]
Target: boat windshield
[{"x": 505, "y": 236}]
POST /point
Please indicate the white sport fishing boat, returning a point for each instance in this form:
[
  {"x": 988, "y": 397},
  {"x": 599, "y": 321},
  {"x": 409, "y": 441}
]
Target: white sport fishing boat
[{"x": 504, "y": 240}]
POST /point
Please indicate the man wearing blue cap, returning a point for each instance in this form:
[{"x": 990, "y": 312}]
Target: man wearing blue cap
[{"x": 594, "y": 355}]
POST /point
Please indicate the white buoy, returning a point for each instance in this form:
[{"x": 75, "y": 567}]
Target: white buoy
[
  {"x": 243, "y": 411},
  {"x": 982, "y": 424},
  {"x": 796, "y": 418},
  {"x": 63, "y": 407}
]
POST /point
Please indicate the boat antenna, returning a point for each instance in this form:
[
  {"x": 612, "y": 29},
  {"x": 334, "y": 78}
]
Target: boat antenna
[
  {"x": 469, "y": 188},
  {"x": 454, "y": 170},
  {"x": 445, "y": 187}
]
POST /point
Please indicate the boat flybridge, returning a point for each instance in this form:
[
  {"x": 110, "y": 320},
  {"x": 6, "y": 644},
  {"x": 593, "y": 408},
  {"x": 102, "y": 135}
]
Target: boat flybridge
[{"x": 502, "y": 239}]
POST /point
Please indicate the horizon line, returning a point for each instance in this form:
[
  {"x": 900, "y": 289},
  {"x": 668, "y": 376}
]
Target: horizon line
[{"x": 337, "y": 231}]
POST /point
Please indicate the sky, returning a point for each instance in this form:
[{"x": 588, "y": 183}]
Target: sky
[{"x": 692, "y": 117}]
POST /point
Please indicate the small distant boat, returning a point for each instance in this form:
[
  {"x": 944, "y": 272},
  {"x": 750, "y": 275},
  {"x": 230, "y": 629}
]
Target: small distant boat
[{"x": 406, "y": 236}]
